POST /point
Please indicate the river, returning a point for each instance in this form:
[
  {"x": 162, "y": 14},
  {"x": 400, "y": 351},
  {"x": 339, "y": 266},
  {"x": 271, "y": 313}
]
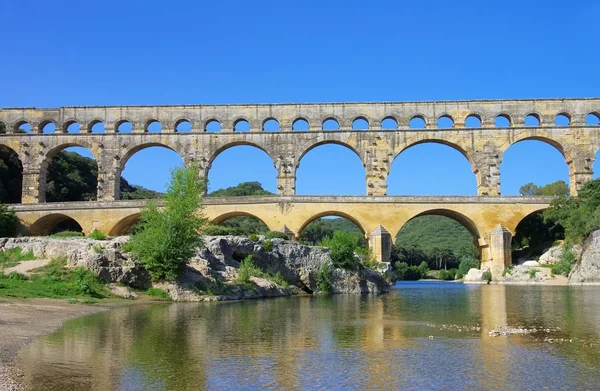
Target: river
[{"x": 421, "y": 336}]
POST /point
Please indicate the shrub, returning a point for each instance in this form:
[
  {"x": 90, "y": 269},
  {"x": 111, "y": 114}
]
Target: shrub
[
  {"x": 217, "y": 230},
  {"x": 166, "y": 239},
  {"x": 411, "y": 273},
  {"x": 487, "y": 276},
  {"x": 267, "y": 245},
  {"x": 565, "y": 262},
  {"x": 448, "y": 275},
  {"x": 98, "y": 249},
  {"x": 97, "y": 235},
  {"x": 368, "y": 259},
  {"x": 8, "y": 222},
  {"x": 157, "y": 292},
  {"x": 532, "y": 273},
  {"x": 67, "y": 234},
  {"x": 466, "y": 264},
  {"x": 325, "y": 278},
  {"x": 276, "y": 235},
  {"x": 214, "y": 287},
  {"x": 342, "y": 246},
  {"x": 253, "y": 237},
  {"x": 248, "y": 269},
  {"x": 508, "y": 270}
]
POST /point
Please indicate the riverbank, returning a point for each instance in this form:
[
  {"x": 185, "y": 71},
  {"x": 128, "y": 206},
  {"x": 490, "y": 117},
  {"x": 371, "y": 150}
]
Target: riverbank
[{"x": 23, "y": 320}]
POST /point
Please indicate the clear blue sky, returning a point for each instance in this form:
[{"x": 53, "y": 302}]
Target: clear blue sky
[{"x": 150, "y": 52}]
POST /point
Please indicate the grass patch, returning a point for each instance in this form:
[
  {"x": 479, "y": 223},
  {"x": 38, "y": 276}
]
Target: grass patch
[
  {"x": 98, "y": 249},
  {"x": 158, "y": 293},
  {"x": 13, "y": 256},
  {"x": 97, "y": 235},
  {"x": 67, "y": 234},
  {"x": 532, "y": 273},
  {"x": 56, "y": 281}
]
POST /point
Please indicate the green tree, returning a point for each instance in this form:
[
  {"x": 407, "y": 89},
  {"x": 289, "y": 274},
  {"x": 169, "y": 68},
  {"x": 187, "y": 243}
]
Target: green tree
[
  {"x": 315, "y": 231},
  {"x": 8, "y": 222},
  {"x": 558, "y": 188},
  {"x": 243, "y": 189},
  {"x": 166, "y": 239},
  {"x": 342, "y": 246}
]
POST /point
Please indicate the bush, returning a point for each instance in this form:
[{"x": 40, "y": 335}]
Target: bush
[
  {"x": 98, "y": 249},
  {"x": 276, "y": 235},
  {"x": 67, "y": 234},
  {"x": 565, "y": 262},
  {"x": 253, "y": 237},
  {"x": 214, "y": 287},
  {"x": 411, "y": 273},
  {"x": 157, "y": 292},
  {"x": 97, "y": 235},
  {"x": 368, "y": 259},
  {"x": 218, "y": 230},
  {"x": 466, "y": 264},
  {"x": 532, "y": 273},
  {"x": 166, "y": 239},
  {"x": 325, "y": 278},
  {"x": 508, "y": 270},
  {"x": 267, "y": 245},
  {"x": 248, "y": 269},
  {"x": 487, "y": 276},
  {"x": 342, "y": 246},
  {"x": 8, "y": 222},
  {"x": 448, "y": 275}
]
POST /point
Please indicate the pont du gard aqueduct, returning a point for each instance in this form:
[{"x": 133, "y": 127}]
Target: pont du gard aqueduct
[{"x": 481, "y": 130}]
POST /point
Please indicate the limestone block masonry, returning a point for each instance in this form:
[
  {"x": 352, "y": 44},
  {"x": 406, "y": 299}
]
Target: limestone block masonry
[{"x": 474, "y": 132}]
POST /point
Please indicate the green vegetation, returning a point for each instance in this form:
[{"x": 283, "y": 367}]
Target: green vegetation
[
  {"x": 532, "y": 273},
  {"x": 325, "y": 278},
  {"x": 558, "y": 188},
  {"x": 243, "y": 189},
  {"x": 267, "y": 245},
  {"x": 67, "y": 234},
  {"x": 8, "y": 221},
  {"x": 249, "y": 269},
  {"x": 97, "y": 235},
  {"x": 98, "y": 249},
  {"x": 158, "y": 293},
  {"x": 448, "y": 275},
  {"x": 466, "y": 264},
  {"x": 508, "y": 270},
  {"x": 166, "y": 239},
  {"x": 439, "y": 241},
  {"x": 214, "y": 287},
  {"x": 13, "y": 256},
  {"x": 579, "y": 215},
  {"x": 487, "y": 276},
  {"x": 54, "y": 280},
  {"x": 314, "y": 233},
  {"x": 276, "y": 235},
  {"x": 253, "y": 237},
  {"x": 342, "y": 246},
  {"x": 404, "y": 271},
  {"x": 565, "y": 262}
]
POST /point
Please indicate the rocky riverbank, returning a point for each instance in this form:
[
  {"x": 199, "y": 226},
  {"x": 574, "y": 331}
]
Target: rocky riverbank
[{"x": 213, "y": 272}]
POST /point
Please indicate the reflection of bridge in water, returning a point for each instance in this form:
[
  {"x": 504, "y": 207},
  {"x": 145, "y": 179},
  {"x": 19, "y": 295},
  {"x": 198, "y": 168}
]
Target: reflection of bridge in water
[{"x": 377, "y": 132}]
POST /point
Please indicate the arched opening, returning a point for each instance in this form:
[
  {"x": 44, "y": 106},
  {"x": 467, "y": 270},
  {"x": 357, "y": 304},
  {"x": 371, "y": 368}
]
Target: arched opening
[
  {"x": 445, "y": 121},
  {"x": 473, "y": 121},
  {"x": 125, "y": 226},
  {"x": 213, "y": 126},
  {"x": 72, "y": 127},
  {"x": 55, "y": 224},
  {"x": 417, "y": 122},
  {"x": 153, "y": 126},
  {"x": 442, "y": 240},
  {"x": 532, "y": 120},
  {"x": 48, "y": 128},
  {"x": 592, "y": 119},
  {"x": 431, "y": 168},
  {"x": 325, "y": 224},
  {"x": 23, "y": 127},
  {"x": 596, "y": 166},
  {"x": 533, "y": 237},
  {"x": 528, "y": 163},
  {"x": 239, "y": 224},
  {"x": 11, "y": 176},
  {"x": 146, "y": 171},
  {"x": 238, "y": 166},
  {"x": 71, "y": 175},
  {"x": 389, "y": 123},
  {"x": 562, "y": 120},
  {"x": 97, "y": 127},
  {"x": 183, "y": 126},
  {"x": 331, "y": 124},
  {"x": 241, "y": 125},
  {"x": 330, "y": 169},
  {"x": 301, "y": 124},
  {"x": 360, "y": 123},
  {"x": 271, "y": 125},
  {"x": 502, "y": 121},
  {"x": 124, "y": 127}
]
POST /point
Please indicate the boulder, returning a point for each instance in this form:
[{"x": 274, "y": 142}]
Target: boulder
[
  {"x": 552, "y": 256},
  {"x": 587, "y": 270},
  {"x": 474, "y": 276},
  {"x": 531, "y": 264},
  {"x": 526, "y": 274},
  {"x": 363, "y": 281}
]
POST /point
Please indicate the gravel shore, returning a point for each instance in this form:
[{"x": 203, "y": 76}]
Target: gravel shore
[{"x": 22, "y": 320}]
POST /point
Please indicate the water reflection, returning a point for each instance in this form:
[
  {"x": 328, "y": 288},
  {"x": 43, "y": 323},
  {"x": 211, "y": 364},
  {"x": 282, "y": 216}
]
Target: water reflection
[{"x": 420, "y": 336}]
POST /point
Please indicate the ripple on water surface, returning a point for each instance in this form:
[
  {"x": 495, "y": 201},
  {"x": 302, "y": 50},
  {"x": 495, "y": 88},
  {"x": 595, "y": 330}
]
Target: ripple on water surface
[{"x": 422, "y": 336}]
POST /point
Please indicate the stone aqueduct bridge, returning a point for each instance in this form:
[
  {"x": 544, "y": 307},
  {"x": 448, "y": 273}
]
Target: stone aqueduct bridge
[{"x": 490, "y": 217}]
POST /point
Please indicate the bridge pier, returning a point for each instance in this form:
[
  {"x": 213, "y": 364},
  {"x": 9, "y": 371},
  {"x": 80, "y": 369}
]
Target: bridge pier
[
  {"x": 500, "y": 255},
  {"x": 380, "y": 243}
]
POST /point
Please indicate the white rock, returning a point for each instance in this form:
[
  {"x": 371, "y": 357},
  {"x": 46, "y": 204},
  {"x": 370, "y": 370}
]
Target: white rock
[{"x": 531, "y": 264}]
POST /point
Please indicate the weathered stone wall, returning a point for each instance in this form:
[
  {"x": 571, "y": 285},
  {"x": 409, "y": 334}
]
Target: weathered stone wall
[{"x": 483, "y": 146}]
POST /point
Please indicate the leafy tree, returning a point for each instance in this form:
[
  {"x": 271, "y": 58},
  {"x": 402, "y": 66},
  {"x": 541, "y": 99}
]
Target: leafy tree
[
  {"x": 317, "y": 230},
  {"x": 8, "y": 222},
  {"x": 165, "y": 240},
  {"x": 558, "y": 188},
  {"x": 579, "y": 215},
  {"x": 71, "y": 177},
  {"x": 342, "y": 246}
]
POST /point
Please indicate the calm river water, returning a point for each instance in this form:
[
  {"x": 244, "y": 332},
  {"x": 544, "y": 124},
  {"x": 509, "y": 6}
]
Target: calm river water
[{"x": 421, "y": 336}]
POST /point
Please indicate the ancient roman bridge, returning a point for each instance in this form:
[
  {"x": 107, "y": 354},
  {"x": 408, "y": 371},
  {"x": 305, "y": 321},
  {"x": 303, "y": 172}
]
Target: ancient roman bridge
[{"x": 377, "y": 132}]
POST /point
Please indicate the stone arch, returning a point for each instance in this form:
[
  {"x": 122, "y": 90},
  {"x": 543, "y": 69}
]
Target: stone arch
[
  {"x": 20, "y": 123},
  {"x": 450, "y": 144},
  {"x": 17, "y": 184},
  {"x": 512, "y": 224},
  {"x": 68, "y": 123},
  {"x": 224, "y": 147},
  {"x": 126, "y": 154},
  {"x": 45, "y": 224},
  {"x": 45, "y": 122},
  {"x": 332, "y": 213},
  {"x": 473, "y": 120},
  {"x": 298, "y": 120},
  {"x": 331, "y": 118},
  {"x": 210, "y": 121},
  {"x": 121, "y": 121},
  {"x": 149, "y": 122},
  {"x": 240, "y": 120},
  {"x": 504, "y": 116},
  {"x": 563, "y": 116},
  {"x": 537, "y": 116},
  {"x": 307, "y": 149},
  {"x": 95, "y": 122},
  {"x": 358, "y": 119},
  {"x": 124, "y": 225},
  {"x": 389, "y": 118},
  {"x": 418, "y": 116},
  {"x": 226, "y": 216},
  {"x": 445, "y": 117},
  {"x": 179, "y": 121},
  {"x": 592, "y": 118},
  {"x": 270, "y": 120}
]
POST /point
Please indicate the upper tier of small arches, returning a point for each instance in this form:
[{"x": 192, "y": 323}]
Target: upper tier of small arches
[{"x": 317, "y": 117}]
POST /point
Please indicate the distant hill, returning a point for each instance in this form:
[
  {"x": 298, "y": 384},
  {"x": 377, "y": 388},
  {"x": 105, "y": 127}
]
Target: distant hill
[{"x": 243, "y": 189}]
